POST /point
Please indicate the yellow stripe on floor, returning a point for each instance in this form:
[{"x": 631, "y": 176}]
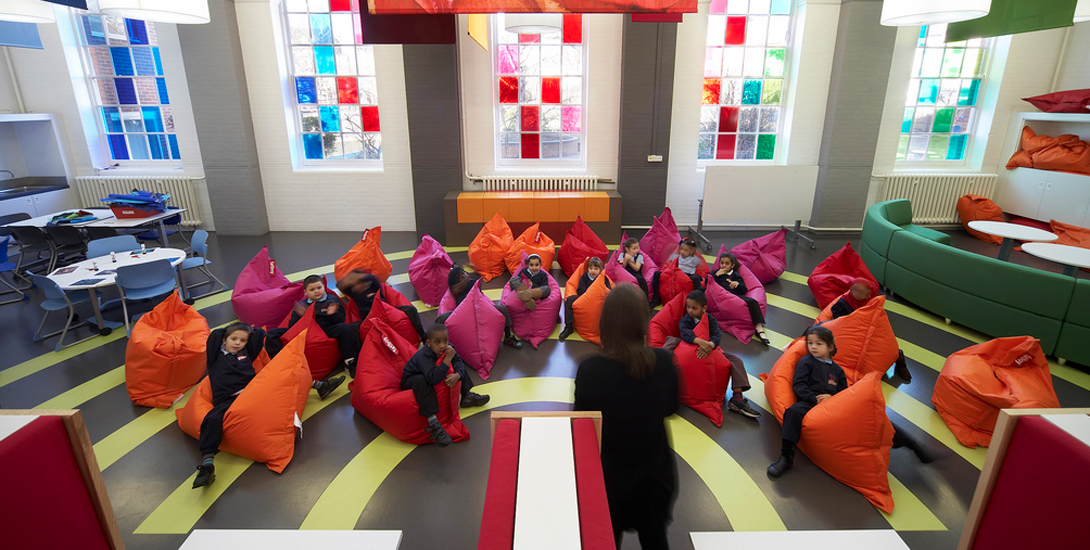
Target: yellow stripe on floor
[
  {"x": 1075, "y": 376},
  {"x": 794, "y": 306},
  {"x": 42, "y": 362},
  {"x": 795, "y": 278},
  {"x": 86, "y": 391},
  {"x": 111, "y": 448}
]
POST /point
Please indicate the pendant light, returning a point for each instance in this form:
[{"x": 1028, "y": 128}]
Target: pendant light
[
  {"x": 158, "y": 11},
  {"x": 26, "y": 11},
  {"x": 533, "y": 23},
  {"x": 913, "y": 13}
]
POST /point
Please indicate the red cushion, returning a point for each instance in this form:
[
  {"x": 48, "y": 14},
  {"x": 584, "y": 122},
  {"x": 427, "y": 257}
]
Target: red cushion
[
  {"x": 666, "y": 322},
  {"x": 322, "y": 353},
  {"x": 394, "y": 318},
  {"x": 580, "y": 243},
  {"x": 498, "y": 519},
  {"x": 673, "y": 281},
  {"x": 702, "y": 383},
  {"x": 1067, "y": 101},
  {"x": 595, "y": 527},
  {"x": 834, "y": 275}
]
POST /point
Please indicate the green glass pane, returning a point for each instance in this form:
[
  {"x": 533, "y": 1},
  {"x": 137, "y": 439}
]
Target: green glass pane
[
  {"x": 774, "y": 62},
  {"x": 943, "y": 118},
  {"x": 974, "y": 58},
  {"x": 936, "y": 150},
  {"x": 969, "y": 89},
  {"x": 773, "y": 92},
  {"x": 957, "y": 147},
  {"x": 781, "y": 7},
  {"x": 766, "y": 146},
  {"x": 906, "y": 120},
  {"x": 929, "y": 91},
  {"x": 951, "y": 62},
  {"x": 751, "y": 92},
  {"x": 902, "y": 148}
]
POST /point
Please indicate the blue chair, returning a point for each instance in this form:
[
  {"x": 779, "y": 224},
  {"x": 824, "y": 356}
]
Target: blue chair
[
  {"x": 56, "y": 300},
  {"x": 144, "y": 281},
  {"x": 173, "y": 221},
  {"x": 6, "y": 266},
  {"x": 120, "y": 243},
  {"x": 200, "y": 261}
]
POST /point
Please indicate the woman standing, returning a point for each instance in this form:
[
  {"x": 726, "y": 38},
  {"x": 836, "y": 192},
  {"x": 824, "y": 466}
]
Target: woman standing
[{"x": 635, "y": 387}]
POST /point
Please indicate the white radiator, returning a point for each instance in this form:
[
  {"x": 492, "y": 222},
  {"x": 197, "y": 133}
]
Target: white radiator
[
  {"x": 540, "y": 183},
  {"x": 935, "y": 196},
  {"x": 93, "y": 188}
]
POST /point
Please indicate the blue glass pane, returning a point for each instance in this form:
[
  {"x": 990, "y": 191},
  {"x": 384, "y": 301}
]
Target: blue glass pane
[
  {"x": 122, "y": 61},
  {"x": 304, "y": 89},
  {"x": 118, "y": 149},
  {"x": 153, "y": 121},
  {"x": 957, "y": 147},
  {"x": 969, "y": 89},
  {"x": 158, "y": 149},
  {"x": 312, "y": 146},
  {"x": 93, "y": 32},
  {"x": 331, "y": 118},
  {"x": 781, "y": 7},
  {"x": 173, "y": 146},
  {"x": 138, "y": 33},
  {"x": 162, "y": 84},
  {"x": 320, "y": 30},
  {"x": 126, "y": 93},
  {"x": 145, "y": 65},
  {"x": 158, "y": 61},
  {"x": 751, "y": 92},
  {"x": 929, "y": 91},
  {"x": 111, "y": 119},
  {"x": 323, "y": 60},
  {"x": 922, "y": 39}
]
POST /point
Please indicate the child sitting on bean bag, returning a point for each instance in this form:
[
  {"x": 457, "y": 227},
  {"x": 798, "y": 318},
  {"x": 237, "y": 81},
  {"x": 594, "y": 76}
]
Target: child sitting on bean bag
[
  {"x": 433, "y": 363},
  {"x": 591, "y": 269},
  {"x": 682, "y": 274},
  {"x": 859, "y": 294},
  {"x": 362, "y": 289},
  {"x": 531, "y": 284},
  {"x": 730, "y": 277},
  {"x": 328, "y": 313},
  {"x": 532, "y": 324},
  {"x": 533, "y": 242},
  {"x": 628, "y": 264},
  {"x": 459, "y": 285}
]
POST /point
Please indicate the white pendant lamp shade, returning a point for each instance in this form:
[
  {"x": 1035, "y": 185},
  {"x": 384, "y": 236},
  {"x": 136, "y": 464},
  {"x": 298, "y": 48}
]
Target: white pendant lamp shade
[
  {"x": 26, "y": 11},
  {"x": 158, "y": 11},
  {"x": 913, "y": 13},
  {"x": 1082, "y": 11},
  {"x": 533, "y": 23}
]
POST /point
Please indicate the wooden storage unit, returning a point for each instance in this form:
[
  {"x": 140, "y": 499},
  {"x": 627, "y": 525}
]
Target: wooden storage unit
[{"x": 1045, "y": 194}]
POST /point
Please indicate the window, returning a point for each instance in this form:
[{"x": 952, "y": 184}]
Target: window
[
  {"x": 745, "y": 65},
  {"x": 941, "y": 106},
  {"x": 333, "y": 76},
  {"x": 540, "y": 104},
  {"x": 132, "y": 105}
]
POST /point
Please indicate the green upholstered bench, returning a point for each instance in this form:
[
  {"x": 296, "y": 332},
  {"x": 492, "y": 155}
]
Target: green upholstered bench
[{"x": 880, "y": 223}]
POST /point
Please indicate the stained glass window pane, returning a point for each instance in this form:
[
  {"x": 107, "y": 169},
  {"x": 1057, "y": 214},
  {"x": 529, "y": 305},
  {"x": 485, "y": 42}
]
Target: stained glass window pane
[
  {"x": 770, "y": 120},
  {"x": 937, "y": 148},
  {"x": 943, "y": 118},
  {"x": 550, "y": 119},
  {"x": 321, "y": 31},
  {"x": 774, "y": 62},
  {"x": 705, "y": 147},
  {"x": 747, "y": 147},
  {"x": 766, "y": 146},
  {"x": 303, "y": 60},
  {"x": 327, "y": 90},
  {"x": 305, "y": 91},
  {"x": 153, "y": 120},
  {"x": 781, "y": 6},
  {"x": 509, "y": 89},
  {"x": 571, "y": 119},
  {"x": 550, "y": 90},
  {"x": 902, "y": 147},
  {"x": 312, "y": 146},
  {"x": 772, "y": 92},
  {"x": 732, "y": 61},
  {"x": 161, "y": 84},
  {"x": 111, "y": 119},
  {"x": 713, "y": 62},
  {"x": 158, "y": 144},
  {"x": 725, "y": 146},
  {"x": 145, "y": 64},
  {"x": 138, "y": 147},
  {"x": 119, "y": 149},
  {"x": 173, "y": 139},
  {"x": 968, "y": 93},
  {"x": 308, "y": 117},
  {"x": 530, "y": 118},
  {"x": 122, "y": 61},
  {"x": 751, "y": 92},
  {"x": 711, "y": 91},
  {"x": 370, "y": 119},
  {"x": 324, "y": 61},
  {"x": 347, "y": 91},
  {"x": 331, "y": 119},
  {"x": 126, "y": 93},
  {"x": 957, "y": 147},
  {"x": 530, "y": 145}
]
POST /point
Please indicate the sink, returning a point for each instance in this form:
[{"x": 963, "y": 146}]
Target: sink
[{"x": 15, "y": 189}]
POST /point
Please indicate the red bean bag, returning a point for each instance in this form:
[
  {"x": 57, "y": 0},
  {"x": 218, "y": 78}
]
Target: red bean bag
[
  {"x": 531, "y": 241},
  {"x": 667, "y": 322},
  {"x": 428, "y": 270},
  {"x": 377, "y": 393},
  {"x": 834, "y": 275},
  {"x": 533, "y": 326},
  {"x": 165, "y": 354},
  {"x": 487, "y": 250},
  {"x": 476, "y": 330},
  {"x": 365, "y": 256},
  {"x": 765, "y": 256},
  {"x": 260, "y": 425},
  {"x": 617, "y": 273},
  {"x": 587, "y": 310},
  {"x": 973, "y": 208},
  {"x": 660, "y": 242},
  {"x": 323, "y": 354},
  {"x": 1066, "y": 101},
  {"x": 580, "y": 243},
  {"x": 674, "y": 281},
  {"x": 702, "y": 383},
  {"x": 1004, "y": 373},
  {"x": 392, "y": 317},
  {"x": 730, "y": 311},
  {"x": 263, "y": 295},
  {"x": 387, "y": 294}
]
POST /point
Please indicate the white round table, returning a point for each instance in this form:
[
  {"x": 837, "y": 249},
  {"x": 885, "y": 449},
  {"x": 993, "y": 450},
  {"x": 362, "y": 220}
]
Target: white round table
[
  {"x": 1010, "y": 233},
  {"x": 1072, "y": 257}
]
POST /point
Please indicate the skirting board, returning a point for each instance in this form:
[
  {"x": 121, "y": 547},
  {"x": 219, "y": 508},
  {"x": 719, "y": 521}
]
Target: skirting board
[{"x": 758, "y": 195}]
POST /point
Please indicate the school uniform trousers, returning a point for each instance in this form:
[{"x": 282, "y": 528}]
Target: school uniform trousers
[{"x": 423, "y": 371}]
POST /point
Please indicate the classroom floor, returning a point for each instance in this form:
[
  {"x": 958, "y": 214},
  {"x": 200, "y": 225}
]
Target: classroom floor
[{"x": 345, "y": 474}]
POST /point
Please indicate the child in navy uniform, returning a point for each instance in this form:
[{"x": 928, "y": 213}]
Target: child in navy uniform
[
  {"x": 687, "y": 262},
  {"x": 632, "y": 261},
  {"x": 429, "y": 366},
  {"x": 539, "y": 282},
  {"x": 594, "y": 269},
  {"x": 362, "y": 288},
  {"x": 328, "y": 313},
  {"x": 728, "y": 277},
  {"x": 460, "y": 283}
]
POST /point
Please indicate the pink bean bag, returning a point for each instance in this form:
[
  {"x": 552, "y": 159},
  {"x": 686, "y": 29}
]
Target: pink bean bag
[
  {"x": 702, "y": 383},
  {"x": 377, "y": 393},
  {"x": 765, "y": 256},
  {"x": 263, "y": 295},
  {"x": 660, "y": 242},
  {"x": 834, "y": 275},
  {"x": 666, "y": 323},
  {"x": 730, "y": 311},
  {"x": 476, "y": 330},
  {"x": 428, "y": 270},
  {"x": 674, "y": 281},
  {"x": 580, "y": 243},
  {"x": 533, "y": 326},
  {"x": 616, "y": 272}
]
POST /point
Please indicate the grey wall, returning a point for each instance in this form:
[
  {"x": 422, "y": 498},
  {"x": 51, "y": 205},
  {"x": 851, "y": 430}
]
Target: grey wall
[
  {"x": 221, "y": 108},
  {"x": 647, "y": 87},
  {"x": 853, "y": 115}
]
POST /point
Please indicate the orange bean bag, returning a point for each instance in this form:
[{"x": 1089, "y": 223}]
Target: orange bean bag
[
  {"x": 587, "y": 310},
  {"x": 865, "y": 342},
  {"x": 487, "y": 250},
  {"x": 1020, "y": 159},
  {"x": 377, "y": 393},
  {"x": 1069, "y": 156},
  {"x": 571, "y": 287},
  {"x": 323, "y": 354},
  {"x": 262, "y": 294},
  {"x": 1004, "y": 373},
  {"x": 260, "y": 425},
  {"x": 531, "y": 241},
  {"x": 165, "y": 354},
  {"x": 973, "y": 208},
  {"x": 834, "y": 275},
  {"x": 667, "y": 322},
  {"x": 702, "y": 383},
  {"x": 365, "y": 256},
  {"x": 580, "y": 243},
  {"x": 674, "y": 281}
]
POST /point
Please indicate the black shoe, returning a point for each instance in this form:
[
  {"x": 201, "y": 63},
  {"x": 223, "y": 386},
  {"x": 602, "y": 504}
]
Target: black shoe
[
  {"x": 350, "y": 367},
  {"x": 513, "y": 342},
  {"x": 741, "y": 406},
  {"x": 764, "y": 339},
  {"x": 327, "y": 386},
  {"x": 900, "y": 368},
  {"x": 206, "y": 474},
  {"x": 568, "y": 330},
  {"x": 439, "y": 435},
  {"x": 780, "y": 467},
  {"x": 473, "y": 400}
]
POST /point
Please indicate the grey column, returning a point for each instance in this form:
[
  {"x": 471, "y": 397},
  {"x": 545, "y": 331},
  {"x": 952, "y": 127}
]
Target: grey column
[
  {"x": 221, "y": 108},
  {"x": 857, "y": 92}
]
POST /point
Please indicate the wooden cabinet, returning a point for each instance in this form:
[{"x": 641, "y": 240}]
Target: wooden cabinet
[{"x": 1043, "y": 194}]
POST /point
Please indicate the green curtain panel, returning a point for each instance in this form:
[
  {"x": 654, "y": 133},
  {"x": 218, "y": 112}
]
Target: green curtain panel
[{"x": 1013, "y": 17}]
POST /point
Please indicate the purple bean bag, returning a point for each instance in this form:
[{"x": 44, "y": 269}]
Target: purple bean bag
[
  {"x": 765, "y": 256},
  {"x": 618, "y": 274},
  {"x": 476, "y": 330},
  {"x": 263, "y": 296},
  {"x": 730, "y": 311},
  {"x": 533, "y": 326},
  {"x": 428, "y": 271},
  {"x": 660, "y": 242}
]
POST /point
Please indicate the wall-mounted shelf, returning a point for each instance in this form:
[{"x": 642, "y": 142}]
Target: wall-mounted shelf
[{"x": 1045, "y": 194}]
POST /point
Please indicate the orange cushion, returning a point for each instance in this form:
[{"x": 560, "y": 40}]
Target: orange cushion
[
  {"x": 487, "y": 250},
  {"x": 571, "y": 288},
  {"x": 1020, "y": 159},
  {"x": 1070, "y": 156},
  {"x": 531, "y": 241},
  {"x": 702, "y": 383},
  {"x": 865, "y": 341},
  {"x": 165, "y": 354},
  {"x": 973, "y": 208},
  {"x": 366, "y": 256},
  {"x": 1071, "y": 235},
  {"x": 587, "y": 310}
]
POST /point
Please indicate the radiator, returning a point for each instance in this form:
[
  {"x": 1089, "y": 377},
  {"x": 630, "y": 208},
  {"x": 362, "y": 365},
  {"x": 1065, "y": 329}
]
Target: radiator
[
  {"x": 935, "y": 196},
  {"x": 93, "y": 188},
  {"x": 540, "y": 183}
]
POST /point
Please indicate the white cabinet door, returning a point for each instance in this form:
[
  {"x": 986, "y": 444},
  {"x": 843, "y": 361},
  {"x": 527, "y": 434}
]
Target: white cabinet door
[
  {"x": 53, "y": 201},
  {"x": 17, "y": 205},
  {"x": 1066, "y": 198},
  {"x": 1024, "y": 189}
]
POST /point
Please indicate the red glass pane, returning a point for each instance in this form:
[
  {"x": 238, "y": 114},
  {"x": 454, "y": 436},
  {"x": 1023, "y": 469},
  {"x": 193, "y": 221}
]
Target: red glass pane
[
  {"x": 346, "y": 90},
  {"x": 573, "y": 28},
  {"x": 530, "y": 146},
  {"x": 531, "y": 118},
  {"x": 550, "y": 90},
  {"x": 711, "y": 91},
  {"x": 725, "y": 148},
  {"x": 340, "y": 5},
  {"x": 736, "y": 31},
  {"x": 728, "y": 119},
  {"x": 369, "y": 116},
  {"x": 529, "y": 38},
  {"x": 509, "y": 89}
]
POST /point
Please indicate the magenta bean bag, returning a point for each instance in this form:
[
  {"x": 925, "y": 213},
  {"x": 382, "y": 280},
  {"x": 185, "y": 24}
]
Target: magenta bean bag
[
  {"x": 835, "y": 274},
  {"x": 618, "y": 274},
  {"x": 476, "y": 330},
  {"x": 447, "y": 303},
  {"x": 428, "y": 271},
  {"x": 533, "y": 326},
  {"x": 765, "y": 256},
  {"x": 730, "y": 311},
  {"x": 660, "y": 242},
  {"x": 263, "y": 296},
  {"x": 580, "y": 243}
]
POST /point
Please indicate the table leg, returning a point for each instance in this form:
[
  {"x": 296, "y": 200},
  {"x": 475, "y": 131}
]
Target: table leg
[
  {"x": 1070, "y": 270},
  {"x": 1005, "y": 249},
  {"x": 104, "y": 327},
  {"x": 163, "y": 234}
]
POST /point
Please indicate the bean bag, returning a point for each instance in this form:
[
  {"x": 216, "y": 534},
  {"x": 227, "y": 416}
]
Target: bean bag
[
  {"x": 765, "y": 256},
  {"x": 388, "y": 294},
  {"x": 587, "y": 310},
  {"x": 487, "y": 250},
  {"x": 165, "y": 354},
  {"x": 323, "y": 354},
  {"x": 580, "y": 243},
  {"x": 263, "y": 295},
  {"x": 260, "y": 425},
  {"x": 476, "y": 330},
  {"x": 660, "y": 242},
  {"x": 1069, "y": 156},
  {"x": 865, "y": 342},
  {"x": 834, "y": 275},
  {"x": 571, "y": 287},
  {"x": 377, "y": 393},
  {"x": 394, "y": 318},
  {"x": 1004, "y": 373},
  {"x": 428, "y": 270},
  {"x": 730, "y": 311},
  {"x": 827, "y": 313},
  {"x": 533, "y": 326},
  {"x": 531, "y": 241},
  {"x": 365, "y": 256},
  {"x": 973, "y": 208},
  {"x": 1020, "y": 159},
  {"x": 666, "y": 323},
  {"x": 674, "y": 281},
  {"x": 1066, "y": 101},
  {"x": 702, "y": 383},
  {"x": 1071, "y": 235},
  {"x": 617, "y": 273}
]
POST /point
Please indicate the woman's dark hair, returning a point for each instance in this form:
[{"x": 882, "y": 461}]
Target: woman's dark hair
[
  {"x": 629, "y": 242},
  {"x": 733, "y": 259},
  {"x": 623, "y": 327},
  {"x": 236, "y": 326},
  {"x": 311, "y": 279},
  {"x": 595, "y": 262},
  {"x": 825, "y": 335}
]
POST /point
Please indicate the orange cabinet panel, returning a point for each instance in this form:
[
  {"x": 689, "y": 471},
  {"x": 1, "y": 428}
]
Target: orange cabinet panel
[
  {"x": 546, "y": 206},
  {"x": 571, "y": 206},
  {"x": 492, "y": 202},
  {"x": 470, "y": 208},
  {"x": 595, "y": 206},
  {"x": 520, "y": 206}
]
